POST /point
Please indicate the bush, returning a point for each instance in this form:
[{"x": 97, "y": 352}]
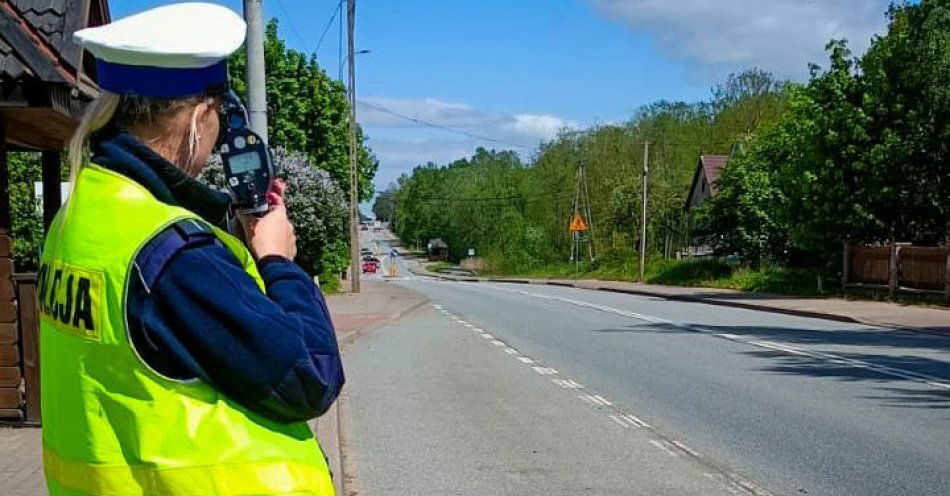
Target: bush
[{"x": 317, "y": 208}]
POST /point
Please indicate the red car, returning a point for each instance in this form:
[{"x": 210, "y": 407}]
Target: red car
[{"x": 370, "y": 267}]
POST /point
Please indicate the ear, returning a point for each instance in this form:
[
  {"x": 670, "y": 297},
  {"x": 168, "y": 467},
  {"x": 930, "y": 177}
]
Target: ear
[{"x": 208, "y": 106}]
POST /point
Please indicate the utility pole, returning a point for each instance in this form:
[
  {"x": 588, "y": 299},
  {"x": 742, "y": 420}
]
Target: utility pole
[
  {"x": 354, "y": 178},
  {"x": 643, "y": 210},
  {"x": 254, "y": 71}
]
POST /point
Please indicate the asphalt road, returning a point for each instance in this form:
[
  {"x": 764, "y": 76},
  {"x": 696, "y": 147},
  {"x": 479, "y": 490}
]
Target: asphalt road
[{"x": 758, "y": 402}]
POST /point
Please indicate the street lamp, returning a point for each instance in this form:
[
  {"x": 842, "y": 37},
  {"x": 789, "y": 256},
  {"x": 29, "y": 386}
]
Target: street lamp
[{"x": 360, "y": 52}]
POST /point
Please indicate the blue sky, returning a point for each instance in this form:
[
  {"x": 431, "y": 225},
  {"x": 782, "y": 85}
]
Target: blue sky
[{"x": 517, "y": 71}]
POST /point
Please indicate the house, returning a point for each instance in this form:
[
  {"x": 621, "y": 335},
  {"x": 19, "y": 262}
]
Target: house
[
  {"x": 702, "y": 188},
  {"x": 704, "y": 180},
  {"x": 46, "y": 81}
]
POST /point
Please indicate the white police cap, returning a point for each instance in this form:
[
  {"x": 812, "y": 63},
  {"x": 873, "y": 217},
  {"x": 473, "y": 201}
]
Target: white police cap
[{"x": 172, "y": 51}]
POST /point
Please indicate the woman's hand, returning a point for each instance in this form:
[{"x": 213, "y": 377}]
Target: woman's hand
[{"x": 272, "y": 234}]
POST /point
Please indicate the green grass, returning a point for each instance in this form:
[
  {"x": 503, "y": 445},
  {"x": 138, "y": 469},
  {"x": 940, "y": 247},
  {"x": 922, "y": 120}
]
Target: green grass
[
  {"x": 439, "y": 266},
  {"x": 720, "y": 274},
  {"x": 330, "y": 284},
  {"x": 698, "y": 273}
]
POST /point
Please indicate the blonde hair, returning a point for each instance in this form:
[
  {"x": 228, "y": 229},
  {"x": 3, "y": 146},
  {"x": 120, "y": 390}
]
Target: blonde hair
[{"x": 125, "y": 112}]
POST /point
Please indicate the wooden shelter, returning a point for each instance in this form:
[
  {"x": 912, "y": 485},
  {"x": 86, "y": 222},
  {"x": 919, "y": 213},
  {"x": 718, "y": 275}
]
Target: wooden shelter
[
  {"x": 46, "y": 80},
  {"x": 437, "y": 250}
]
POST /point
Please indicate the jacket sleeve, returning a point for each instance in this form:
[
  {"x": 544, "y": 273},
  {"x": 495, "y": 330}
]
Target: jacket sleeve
[{"x": 199, "y": 312}]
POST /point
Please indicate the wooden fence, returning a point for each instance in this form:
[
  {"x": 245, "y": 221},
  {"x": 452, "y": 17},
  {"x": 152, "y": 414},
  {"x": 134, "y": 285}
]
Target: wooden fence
[
  {"x": 897, "y": 267},
  {"x": 11, "y": 383},
  {"x": 19, "y": 342}
]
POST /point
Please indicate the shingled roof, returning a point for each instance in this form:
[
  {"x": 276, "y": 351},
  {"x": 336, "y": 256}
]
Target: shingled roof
[
  {"x": 36, "y": 38},
  {"x": 712, "y": 167},
  {"x": 705, "y": 179},
  {"x": 45, "y": 78}
]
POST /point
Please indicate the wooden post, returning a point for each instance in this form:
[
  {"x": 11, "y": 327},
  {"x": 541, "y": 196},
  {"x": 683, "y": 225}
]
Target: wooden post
[
  {"x": 52, "y": 194},
  {"x": 845, "y": 264},
  {"x": 892, "y": 271},
  {"x": 6, "y": 219},
  {"x": 946, "y": 275},
  {"x": 30, "y": 342}
]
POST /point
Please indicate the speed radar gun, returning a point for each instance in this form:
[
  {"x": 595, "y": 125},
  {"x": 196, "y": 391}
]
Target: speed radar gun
[{"x": 248, "y": 165}]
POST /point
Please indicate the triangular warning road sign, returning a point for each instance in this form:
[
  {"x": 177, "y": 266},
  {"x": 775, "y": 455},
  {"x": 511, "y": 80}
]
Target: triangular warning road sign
[{"x": 577, "y": 223}]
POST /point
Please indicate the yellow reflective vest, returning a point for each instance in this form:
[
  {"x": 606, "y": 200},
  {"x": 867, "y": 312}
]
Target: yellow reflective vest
[{"x": 112, "y": 426}]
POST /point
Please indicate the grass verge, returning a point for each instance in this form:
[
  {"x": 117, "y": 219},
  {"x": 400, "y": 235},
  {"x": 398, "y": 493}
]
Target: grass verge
[{"x": 698, "y": 273}]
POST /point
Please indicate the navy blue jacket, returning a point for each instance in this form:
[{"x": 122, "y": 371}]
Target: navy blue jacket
[{"x": 194, "y": 313}]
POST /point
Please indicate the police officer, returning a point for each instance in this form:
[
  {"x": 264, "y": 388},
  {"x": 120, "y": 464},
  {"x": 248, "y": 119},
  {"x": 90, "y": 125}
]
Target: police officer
[{"x": 175, "y": 360}]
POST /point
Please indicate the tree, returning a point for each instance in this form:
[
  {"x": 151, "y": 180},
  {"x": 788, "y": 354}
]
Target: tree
[
  {"x": 307, "y": 111},
  {"x": 27, "y": 232},
  {"x": 384, "y": 207},
  {"x": 316, "y": 206}
]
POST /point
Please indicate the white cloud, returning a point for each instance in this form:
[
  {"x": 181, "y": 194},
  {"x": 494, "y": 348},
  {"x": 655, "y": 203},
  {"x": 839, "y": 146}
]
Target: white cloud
[
  {"x": 722, "y": 36},
  {"x": 400, "y": 143},
  {"x": 518, "y": 129}
]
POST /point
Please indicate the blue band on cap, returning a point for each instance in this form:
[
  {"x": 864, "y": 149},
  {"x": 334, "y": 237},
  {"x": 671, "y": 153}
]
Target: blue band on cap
[{"x": 160, "y": 82}]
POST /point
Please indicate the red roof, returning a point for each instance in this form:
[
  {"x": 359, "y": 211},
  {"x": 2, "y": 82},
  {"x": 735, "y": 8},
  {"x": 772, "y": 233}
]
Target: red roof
[{"x": 712, "y": 167}]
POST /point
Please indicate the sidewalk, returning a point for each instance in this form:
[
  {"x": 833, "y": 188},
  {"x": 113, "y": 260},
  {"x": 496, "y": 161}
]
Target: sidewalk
[
  {"x": 876, "y": 313},
  {"x": 353, "y": 315},
  {"x": 21, "y": 465}
]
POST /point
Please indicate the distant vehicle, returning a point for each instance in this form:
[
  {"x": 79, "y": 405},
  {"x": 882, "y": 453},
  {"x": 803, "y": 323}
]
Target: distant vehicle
[
  {"x": 364, "y": 227},
  {"x": 370, "y": 267},
  {"x": 371, "y": 259}
]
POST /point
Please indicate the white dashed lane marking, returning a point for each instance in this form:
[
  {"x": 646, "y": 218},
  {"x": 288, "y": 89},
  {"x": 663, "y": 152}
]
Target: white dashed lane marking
[
  {"x": 665, "y": 446},
  {"x": 732, "y": 482}
]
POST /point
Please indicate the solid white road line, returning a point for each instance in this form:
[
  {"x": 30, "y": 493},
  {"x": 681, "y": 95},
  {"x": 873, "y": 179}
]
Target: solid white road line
[
  {"x": 882, "y": 369},
  {"x": 487, "y": 336}
]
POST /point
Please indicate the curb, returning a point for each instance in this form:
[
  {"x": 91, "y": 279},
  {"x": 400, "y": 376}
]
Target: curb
[
  {"x": 691, "y": 299},
  {"x": 351, "y": 336}
]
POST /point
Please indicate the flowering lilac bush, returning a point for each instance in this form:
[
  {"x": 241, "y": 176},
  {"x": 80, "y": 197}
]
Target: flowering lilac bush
[{"x": 316, "y": 205}]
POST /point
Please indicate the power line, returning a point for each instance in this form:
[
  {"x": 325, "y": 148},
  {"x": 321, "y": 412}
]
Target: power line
[
  {"x": 326, "y": 29},
  {"x": 290, "y": 20},
  {"x": 493, "y": 198},
  {"x": 424, "y": 122},
  {"x": 339, "y": 57}
]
